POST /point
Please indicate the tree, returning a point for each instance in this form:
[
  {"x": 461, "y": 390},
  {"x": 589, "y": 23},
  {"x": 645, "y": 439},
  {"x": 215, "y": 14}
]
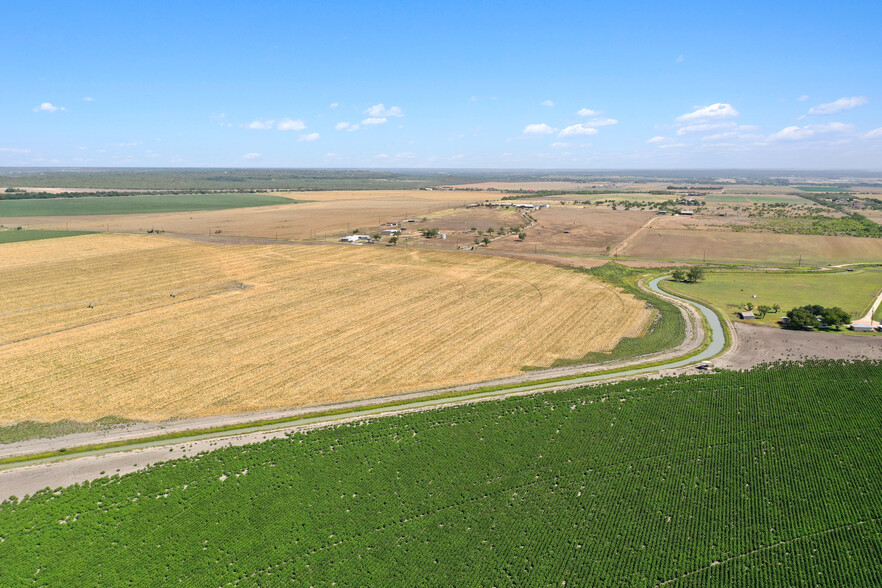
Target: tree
[
  {"x": 776, "y": 307},
  {"x": 749, "y": 306},
  {"x": 486, "y": 240},
  {"x": 376, "y": 236},
  {"x": 695, "y": 273},
  {"x": 835, "y": 317},
  {"x": 490, "y": 229},
  {"x": 801, "y": 318},
  {"x": 678, "y": 274},
  {"x": 763, "y": 310},
  {"x": 429, "y": 233},
  {"x": 393, "y": 239}
]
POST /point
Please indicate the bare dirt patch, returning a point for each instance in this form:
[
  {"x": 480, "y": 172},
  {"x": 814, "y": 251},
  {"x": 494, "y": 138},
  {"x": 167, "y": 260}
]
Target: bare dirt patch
[
  {"x": 587, "y": 230},
  {"x": 757, "y": 344}
]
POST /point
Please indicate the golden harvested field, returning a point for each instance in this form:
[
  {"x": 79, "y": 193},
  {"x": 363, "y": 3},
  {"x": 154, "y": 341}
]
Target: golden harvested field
[
  {"x": 181, "y": 329},
  {"x": 696, "y": 243}
]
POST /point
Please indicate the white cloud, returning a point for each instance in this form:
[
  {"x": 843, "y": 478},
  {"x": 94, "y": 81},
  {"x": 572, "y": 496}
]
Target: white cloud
[
  {"x": 803, "y": 98},
  {"x": 260, "y": 125},
  {"x": 601, "y": 122},
  {"x": 251, "y": 156},
  {"x": 714, "y": 111},
  {"x": 89, "y": 99},
  {"x": 48, "y": 107},
  {"x": 286, "y": 124},
  {"x": 375, "y": 121},
  {"x": 705, "y": 127},
  {"x": 578, "y": 130},
  {"x": 309, "y": 138},
  {"x": 560, "y": 145},
  {"x": 130, "y": 144},
  {"x": 548, "y": 103},
  {"x": 733, "y": 135},
  {"x": 342, "y": 126},
  {"x": 794, "y": 133},
  {"x": 874, "y": 134},
  {"x": 588, "y": 112},
  {"x": 538, "y": 129},
  {"x": 14, "y": 150},
  {"x": 380, "y": 111},
  {"x": 838, "y": 105},
  {"x": 680, "y": 59},
  {"x": 335, "y": 104},
  {"x": 658, "y": 139}
]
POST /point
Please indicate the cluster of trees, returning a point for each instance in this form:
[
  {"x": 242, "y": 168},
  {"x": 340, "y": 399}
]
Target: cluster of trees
[
  {"x": 763, "y": 309},
  {"x": 815, "y": 315},
  {"x": 692, "y": 275}
]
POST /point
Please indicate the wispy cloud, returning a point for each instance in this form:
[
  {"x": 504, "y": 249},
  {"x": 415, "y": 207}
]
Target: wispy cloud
[
  {"x": 578, "y": 130},
  {"x": 380, "y": 111},
  {"x": 335, "y": 104},
  {"x": 601, "y": 122},
  {"x": 88, "y": 99},
  {"x": 838, "y": 105},
  {"x": 286, "y": 124},
  {"x": 48, "y": 107},
  {"x": 260, "y": 125},
  {"x": 803, "y": 98},
  {"x": 874, "y": 134},
  {"x": 14, "y": 150},
  {"x": 375, "y": 121},
  {"x": 251, "y": 156},
  {"x": 547, "y": 103},
  {"x": 714, "y": 111},
  {"x": 538, "y": 129},
  {"x": 680, "y": 59},
  {"x": 587, "y": 112},
  {"x": 309, "y": 138},
  {"x": 795, "y": 133},
  {"x": 705, "y": 128},
  {"x": 665, "y": 142}
]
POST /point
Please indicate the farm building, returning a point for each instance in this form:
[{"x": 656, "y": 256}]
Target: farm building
[
  {"x": 862, "y": 327},
  {"x": 746, "y": 315},
  {"x": 391, "y": 231},
  {"x": 686, "y": 213},
  {"x": 785, "y": 320},
  {"x": 355, "y": 238}
]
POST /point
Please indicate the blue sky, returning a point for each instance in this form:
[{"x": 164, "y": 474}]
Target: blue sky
[{"x": 574, "y": 85}]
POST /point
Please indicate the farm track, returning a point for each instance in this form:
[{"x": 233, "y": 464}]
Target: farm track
[{"x": 28, "y": 476}]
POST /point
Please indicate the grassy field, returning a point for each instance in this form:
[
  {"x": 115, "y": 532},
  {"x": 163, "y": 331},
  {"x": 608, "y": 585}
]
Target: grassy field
[
  {"x": 152, "y": 327},
  {"x": 851, "y": 291},
  {"x": 764, "y": 478},
  {"x": 13, "y": 236},
  {"x": 135, "y": 204}
]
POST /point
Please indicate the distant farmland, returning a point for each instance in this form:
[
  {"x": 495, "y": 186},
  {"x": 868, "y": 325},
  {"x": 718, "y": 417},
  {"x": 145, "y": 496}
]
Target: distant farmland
[
  {"x": 156, "y": 327},
  {"x": 134, "y": 204}
]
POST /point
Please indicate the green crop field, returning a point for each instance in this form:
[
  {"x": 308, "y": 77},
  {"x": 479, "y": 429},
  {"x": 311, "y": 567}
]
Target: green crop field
[
  {"x": 854, "y": 291},
  {"x": 13, "y": 236},
  {"x": 771, "y": 477},
  {"x": 135, "y": 204}
]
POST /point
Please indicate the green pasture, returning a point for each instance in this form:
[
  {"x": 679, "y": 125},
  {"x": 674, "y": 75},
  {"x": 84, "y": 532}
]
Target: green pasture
[
  {"x": 135, "y": 204},
  {"x": 854, "y": 291},
  {"x": 13, "y": 236}
]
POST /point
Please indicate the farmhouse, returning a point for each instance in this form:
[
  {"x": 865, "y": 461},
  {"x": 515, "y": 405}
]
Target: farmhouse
[{"x": 746, "y": 315}]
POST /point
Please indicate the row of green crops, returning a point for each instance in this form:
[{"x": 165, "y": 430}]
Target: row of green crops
[{"x": 770, "y": 477}]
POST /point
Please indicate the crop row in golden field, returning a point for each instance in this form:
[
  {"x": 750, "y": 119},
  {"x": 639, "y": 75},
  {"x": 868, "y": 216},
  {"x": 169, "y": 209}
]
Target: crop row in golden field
[{"x": 178, "y": 328}]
